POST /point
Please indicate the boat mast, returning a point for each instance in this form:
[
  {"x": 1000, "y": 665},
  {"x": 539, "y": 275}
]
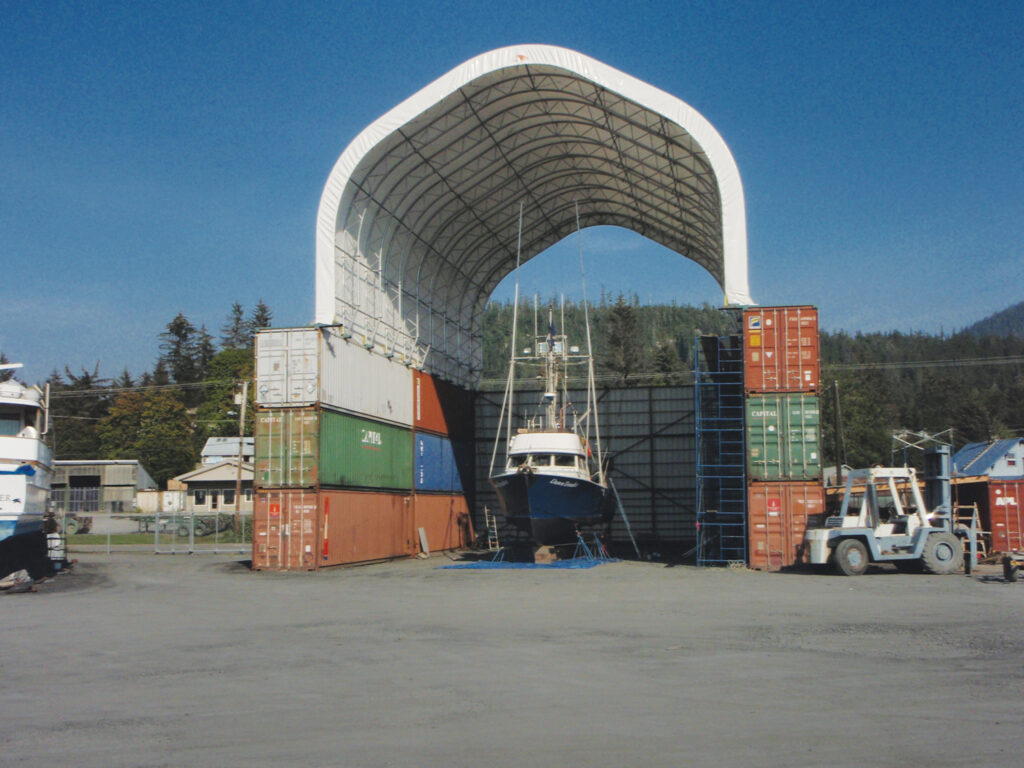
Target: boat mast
[
  {"x": 507, "y": 401},
  {"x": 591, "y": 387}
]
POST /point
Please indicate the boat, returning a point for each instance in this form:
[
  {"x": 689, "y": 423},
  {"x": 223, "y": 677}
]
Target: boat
[
  {"x": 552, "y": 484},
  {"x": 26, "y": 469}
]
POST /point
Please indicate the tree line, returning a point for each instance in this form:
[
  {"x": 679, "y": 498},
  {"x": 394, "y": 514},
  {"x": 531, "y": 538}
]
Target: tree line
[
  {"x": 970, "y": 382},
  {"x": 163, "y": 417}
]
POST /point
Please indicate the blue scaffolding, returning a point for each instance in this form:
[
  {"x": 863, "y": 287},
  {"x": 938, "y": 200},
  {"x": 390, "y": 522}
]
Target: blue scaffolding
[{"x": 721, "y": 452}]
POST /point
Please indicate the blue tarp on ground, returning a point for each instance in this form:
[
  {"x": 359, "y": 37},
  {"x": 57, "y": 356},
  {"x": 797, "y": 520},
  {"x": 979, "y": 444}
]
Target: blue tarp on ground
[{"x": 502, "y": 565}]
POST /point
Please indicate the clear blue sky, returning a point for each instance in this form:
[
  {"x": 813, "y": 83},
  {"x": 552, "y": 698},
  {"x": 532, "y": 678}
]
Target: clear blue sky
[{"x": 166, "y": 157}]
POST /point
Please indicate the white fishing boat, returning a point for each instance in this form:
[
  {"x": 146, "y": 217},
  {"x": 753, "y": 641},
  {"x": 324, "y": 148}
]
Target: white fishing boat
[
  {"x": 26, "y": 469},
  {"x": 553, "y": 481}
]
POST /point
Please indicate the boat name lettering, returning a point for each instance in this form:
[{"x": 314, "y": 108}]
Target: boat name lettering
[{"x": 565, "y": 483}]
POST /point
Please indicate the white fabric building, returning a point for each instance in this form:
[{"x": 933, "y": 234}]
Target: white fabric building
[{"x": 419, "y": 219}]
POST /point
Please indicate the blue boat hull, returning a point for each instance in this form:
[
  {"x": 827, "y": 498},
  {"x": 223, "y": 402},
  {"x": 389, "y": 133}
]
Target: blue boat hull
[
  {"x": 551, "y": 508},
  {"x": 15, "y": 525}
]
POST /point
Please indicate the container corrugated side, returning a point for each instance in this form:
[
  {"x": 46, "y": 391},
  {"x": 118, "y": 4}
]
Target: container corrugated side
[
  {"x": 777, "y": 515},
  {"x": 285, "y": 530},
  {"x": 363, "y": 381},
  {"x": 287, "y": 447},
  {"x": 781, "y": 349},
  {"x": 362, "y": 526},
  {"x": 445, "y": 521},
  {"x": 783, "y": 437},
  {"x": 441, "y": 464},
  {"x": 287, "y": 366},
  {"x": 361, "y": 453},
  {"x": 1006, "y": 515},
  {"x": 441, "y": 407}
]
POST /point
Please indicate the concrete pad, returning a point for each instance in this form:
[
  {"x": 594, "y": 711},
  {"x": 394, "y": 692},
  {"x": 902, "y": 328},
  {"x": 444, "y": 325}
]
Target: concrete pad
[{"x": 148, "y": 660}]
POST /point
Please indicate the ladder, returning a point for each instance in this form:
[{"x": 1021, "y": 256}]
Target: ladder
[
  {"x": 491, "y": 523},
  {"x": 967, "y": 516}
]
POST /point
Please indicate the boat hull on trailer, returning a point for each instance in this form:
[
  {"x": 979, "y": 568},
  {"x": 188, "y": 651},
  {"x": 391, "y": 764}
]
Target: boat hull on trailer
[{"x": 550, "y": 508}]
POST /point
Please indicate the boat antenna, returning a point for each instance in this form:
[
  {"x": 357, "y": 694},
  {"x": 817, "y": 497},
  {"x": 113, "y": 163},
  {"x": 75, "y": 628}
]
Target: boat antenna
[
  {"x": 592, "y": 389},
  {"x": 507, "y": 400}
]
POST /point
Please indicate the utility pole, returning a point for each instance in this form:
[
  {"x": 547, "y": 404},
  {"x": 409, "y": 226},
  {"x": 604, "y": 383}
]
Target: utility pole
[{"x": 241, "y": 445}]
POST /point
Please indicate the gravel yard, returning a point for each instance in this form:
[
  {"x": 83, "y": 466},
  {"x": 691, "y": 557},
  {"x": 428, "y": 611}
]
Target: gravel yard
[{"x": 143, "y": 660}]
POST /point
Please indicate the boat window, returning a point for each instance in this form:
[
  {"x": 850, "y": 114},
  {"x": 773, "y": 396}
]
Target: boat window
[
  {"x": 9, "y": 425},
  {"x": 565, "y": 460},
  {"x": 516, "y": 460}
]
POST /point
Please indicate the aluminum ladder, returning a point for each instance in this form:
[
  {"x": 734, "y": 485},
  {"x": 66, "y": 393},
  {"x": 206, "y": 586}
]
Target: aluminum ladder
[{"x": 491, "y": 523}]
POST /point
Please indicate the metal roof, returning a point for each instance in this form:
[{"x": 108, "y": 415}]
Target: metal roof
[
  {"x": 419, "y": 219},
  {"x": 978, "y": 458}
]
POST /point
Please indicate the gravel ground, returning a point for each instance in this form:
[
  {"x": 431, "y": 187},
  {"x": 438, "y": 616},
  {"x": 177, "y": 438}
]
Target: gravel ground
[{"x": 144, "y": 660}]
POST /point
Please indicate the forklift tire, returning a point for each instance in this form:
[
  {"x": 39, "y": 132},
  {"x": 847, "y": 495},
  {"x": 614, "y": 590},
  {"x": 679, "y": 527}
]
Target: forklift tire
[
  {"x": 70, "y": 526},
  {"x": 943, "y": 554},
  {"x": 850, "y": 557}
]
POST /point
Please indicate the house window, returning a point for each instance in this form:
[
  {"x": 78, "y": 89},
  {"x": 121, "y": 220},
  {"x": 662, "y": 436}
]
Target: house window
[
  {"x": 248, "y": 494},
  {"x": 199, "y": 498},
  {"x": 229, "y": 497}
]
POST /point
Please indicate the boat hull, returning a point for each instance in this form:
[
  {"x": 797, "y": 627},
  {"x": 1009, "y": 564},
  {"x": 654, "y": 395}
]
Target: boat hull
[
  {"x": 23, "y": 500},
  {"x": 550, "y": 508}
]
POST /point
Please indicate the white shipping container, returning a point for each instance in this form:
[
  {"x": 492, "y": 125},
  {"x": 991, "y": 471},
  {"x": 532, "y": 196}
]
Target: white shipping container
[
  {"x": 287, "y": 366},
  {"x": 301, "y": 366},
  {"x": 363, "y": 381}
]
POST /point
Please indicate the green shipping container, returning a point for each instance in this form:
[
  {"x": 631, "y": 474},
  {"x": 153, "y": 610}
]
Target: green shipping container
[
  {"x": 783, "y": 437},
  {"x": 287, "y": 447},
  {"x": 360, "y": 453}
]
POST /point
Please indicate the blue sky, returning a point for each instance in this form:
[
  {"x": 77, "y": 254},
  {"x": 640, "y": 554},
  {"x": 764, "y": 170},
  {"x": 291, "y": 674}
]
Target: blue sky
[{"x": 166, "y": 157}]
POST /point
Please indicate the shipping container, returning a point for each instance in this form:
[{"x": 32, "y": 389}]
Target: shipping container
[
  {"x": 783, "y": 437},
  {"x": 445, "y": 521},
  {"x": 287, "y": 366},
  {"x": 1006, "y": 518},
  {"x": 306, "y": 366},
  {"x": 360, "y": 453},
  {"x": 285, "y": 531},
  {"x": 781, "y": 349},
  {"x": 777, "y": 516},
  {"x": 287, "y": 447},
  {"x": 441, "y": 407},
  {"x": 442, "y": 465},
  {"x": 362, "y": 526}
]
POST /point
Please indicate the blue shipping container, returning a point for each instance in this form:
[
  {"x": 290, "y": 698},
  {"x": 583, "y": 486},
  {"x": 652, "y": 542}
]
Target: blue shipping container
[{"x": 441, "y": 465}]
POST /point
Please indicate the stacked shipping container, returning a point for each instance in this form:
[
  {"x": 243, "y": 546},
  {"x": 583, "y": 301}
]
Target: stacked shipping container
[
  {"x": 781, "y": 378},
  {"x": 442, "y": 461},
  {"x": 335, "y": 456}
]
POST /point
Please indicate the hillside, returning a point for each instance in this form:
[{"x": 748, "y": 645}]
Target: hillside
[{"x": 1008, "y": 322}]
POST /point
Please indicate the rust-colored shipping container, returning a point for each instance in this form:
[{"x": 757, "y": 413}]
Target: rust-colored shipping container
[
  {"x": 777, "y": 520},
  {"x": 781, "y": 350},
  {"x": 285, "y": 531},
  {"x": 1005, "y": 514},
  {"x": 445, "y": 520},
  {"x": 441, "y": 407},
  {"x": 361, "y": 526}
]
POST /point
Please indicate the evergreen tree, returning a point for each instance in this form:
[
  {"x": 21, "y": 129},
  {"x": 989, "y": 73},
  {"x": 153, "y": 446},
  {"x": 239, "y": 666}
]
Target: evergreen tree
[
  {"x": 161, "y": 376},
  {"x": 203, "y": 352},
  {"x": 124, "y": 381},
  {"x": 235, "y": 333},
  {"x": 623, "y": 355},
  {"x": 76, "y": 406},
  {"x": 261, "y": 317},
  {"x": 8, "y": 374},
  {"x": 178, "y": 347}
]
